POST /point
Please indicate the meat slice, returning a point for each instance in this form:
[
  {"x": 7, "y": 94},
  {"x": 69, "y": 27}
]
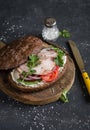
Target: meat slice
[
  {"x": 45, "y": 67},
  {"x": 22, "y": 68},
  {"x": 47, "y": 53}
]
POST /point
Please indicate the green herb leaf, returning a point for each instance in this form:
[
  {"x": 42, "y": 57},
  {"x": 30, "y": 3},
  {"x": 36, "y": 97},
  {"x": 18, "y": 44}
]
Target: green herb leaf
[
  {"x": 65, "y": 33},
  {"x": 31, "y": 71},
  {"x": 24, "y": 73},
  {"x": 28, "y": 82},
  {"x": 31, "y": 63},
  {"x": 58, "y": 60},
  {"x": 64, "y": 97},
  {"x": 33, "y": 58}
]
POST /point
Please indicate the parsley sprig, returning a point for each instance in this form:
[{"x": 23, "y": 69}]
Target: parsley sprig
[
  {"x": 58, "y": 60},
  {"x": 33, "y": 60},
  {"x": 65, "y": 33},
  {"x": 64, "y": 97}
]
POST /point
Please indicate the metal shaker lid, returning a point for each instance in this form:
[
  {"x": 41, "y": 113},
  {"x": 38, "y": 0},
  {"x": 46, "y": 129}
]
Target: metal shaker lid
[{"x": 49, "y": 22}]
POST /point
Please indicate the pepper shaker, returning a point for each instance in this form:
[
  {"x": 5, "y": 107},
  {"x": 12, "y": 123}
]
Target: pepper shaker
[{"x": 50, "y": 31}]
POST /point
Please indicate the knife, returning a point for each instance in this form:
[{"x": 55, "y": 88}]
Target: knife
[{"x": 80, "y": 64}]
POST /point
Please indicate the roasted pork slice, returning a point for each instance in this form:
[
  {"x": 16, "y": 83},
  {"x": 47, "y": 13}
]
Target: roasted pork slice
[
  {"x": 45, "y": 67},
  {"x": 47, "y": 53}
]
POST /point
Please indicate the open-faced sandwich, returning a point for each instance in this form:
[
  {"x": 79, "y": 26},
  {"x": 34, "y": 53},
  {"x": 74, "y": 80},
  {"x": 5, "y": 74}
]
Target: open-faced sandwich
[{"x": 34, "y": 65}]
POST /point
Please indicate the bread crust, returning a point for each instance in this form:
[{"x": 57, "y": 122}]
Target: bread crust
[{"x": 16, "y": 53}]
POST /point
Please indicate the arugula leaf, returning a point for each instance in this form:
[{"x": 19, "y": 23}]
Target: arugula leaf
[
  {"x": 64, "y": 97},
  {"x": 65, "y": 33},
  {"x": 28, "y": 82}
]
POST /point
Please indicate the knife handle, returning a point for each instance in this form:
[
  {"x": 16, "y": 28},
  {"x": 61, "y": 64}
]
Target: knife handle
[{"x": 86, "y": 80}]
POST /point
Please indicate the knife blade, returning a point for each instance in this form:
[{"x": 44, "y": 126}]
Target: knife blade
[{"x": 80, "y": 64}]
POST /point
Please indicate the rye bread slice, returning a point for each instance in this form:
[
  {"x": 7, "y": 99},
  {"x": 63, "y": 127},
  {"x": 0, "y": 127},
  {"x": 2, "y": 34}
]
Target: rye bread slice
[{"x": 16, "y": 53}]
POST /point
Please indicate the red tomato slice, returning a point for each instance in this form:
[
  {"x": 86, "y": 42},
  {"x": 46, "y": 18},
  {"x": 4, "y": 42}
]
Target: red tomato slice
[{"x": 51, "y": 76}]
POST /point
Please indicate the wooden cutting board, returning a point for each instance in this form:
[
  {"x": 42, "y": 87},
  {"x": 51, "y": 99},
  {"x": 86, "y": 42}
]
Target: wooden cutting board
[{"x": 42, "y": 97}]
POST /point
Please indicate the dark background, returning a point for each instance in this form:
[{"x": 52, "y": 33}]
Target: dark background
[{"x": 23, "y": 17}]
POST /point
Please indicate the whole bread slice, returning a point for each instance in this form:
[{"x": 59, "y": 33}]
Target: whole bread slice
[{"x": 16, "y": 53}]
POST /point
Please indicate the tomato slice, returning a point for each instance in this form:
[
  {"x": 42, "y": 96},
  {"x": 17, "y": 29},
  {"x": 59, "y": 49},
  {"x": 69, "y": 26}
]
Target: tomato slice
[{"x": 51, "y": 76}]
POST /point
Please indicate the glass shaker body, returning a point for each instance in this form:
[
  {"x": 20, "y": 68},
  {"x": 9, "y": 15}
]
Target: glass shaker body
[{"x": 50, "y": 32}]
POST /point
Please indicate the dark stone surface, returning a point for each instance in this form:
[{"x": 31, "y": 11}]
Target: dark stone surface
[{"x": 23, "y": 17}]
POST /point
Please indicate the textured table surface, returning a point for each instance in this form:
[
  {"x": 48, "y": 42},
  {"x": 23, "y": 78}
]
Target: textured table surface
[{"x": 23, "y": 17}]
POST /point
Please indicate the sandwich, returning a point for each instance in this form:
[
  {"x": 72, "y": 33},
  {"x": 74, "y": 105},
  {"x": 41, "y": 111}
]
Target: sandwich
[{"x": 33, "y": 64}]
